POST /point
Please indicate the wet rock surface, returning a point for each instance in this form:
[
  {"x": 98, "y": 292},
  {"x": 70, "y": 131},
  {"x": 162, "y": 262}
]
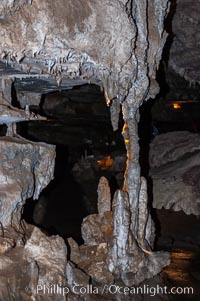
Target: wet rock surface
[{"x": 183, "y": 272}]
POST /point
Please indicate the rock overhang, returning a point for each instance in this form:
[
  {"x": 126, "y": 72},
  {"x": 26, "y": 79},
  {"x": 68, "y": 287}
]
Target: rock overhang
[{"x": 74, "y": 38}]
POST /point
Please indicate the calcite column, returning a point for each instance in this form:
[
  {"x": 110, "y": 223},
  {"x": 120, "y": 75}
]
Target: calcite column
[
  {"x": 118, "y": 44},
  {"x": 131, "y": 258}
]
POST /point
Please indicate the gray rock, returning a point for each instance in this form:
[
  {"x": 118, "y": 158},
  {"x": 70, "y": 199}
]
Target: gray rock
[
  {"x": 172, "y": 146},
  {"x": 97, "y": 229},
  {"x": 176, "y": 183},
  {"x": 76, "y": 277},
  {"x": 104, "y": 196},
  {"x": 50, "y": 255},
  {"x": 23, "y": 166},
  {"x": 184, "y": 54}
]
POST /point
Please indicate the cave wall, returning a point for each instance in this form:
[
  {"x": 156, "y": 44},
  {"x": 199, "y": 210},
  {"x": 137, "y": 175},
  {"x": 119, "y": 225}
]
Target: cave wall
[
  {"x": 119, "y": 45},
  {"x": 184, "y": 53}
]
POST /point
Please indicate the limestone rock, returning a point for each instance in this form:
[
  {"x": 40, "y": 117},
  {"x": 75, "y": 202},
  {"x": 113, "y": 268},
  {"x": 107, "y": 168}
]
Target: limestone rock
[
  {"x": 176, "y": 181},
  {"x": 92, "y": 260},
  {"x": 76, "y": 277},
  {"x": 50, "y": 256},
  {"x": 6, "y": 244},
  {"x": 29, "y": 99},
  {"x": 172, "y": 146},
  {"x": 14, "y": 276},
  {"x": 119, "y": 44},
  {"x": 10, "y": 6},
  {"x": 43, "y": 249},
  {"x": 124, "y": 256},
  {"x": 104, "y": 196},
  {"x": 6, "y": 88},
  {"x": 184, "y": 54},
  {"x": 72, "y": 51},
  {"x": 97, "y": 229},
  {"x": 10, "y": 114},
  {"x": 20, "y": 158},
  {"x": 146, "y": 231}
]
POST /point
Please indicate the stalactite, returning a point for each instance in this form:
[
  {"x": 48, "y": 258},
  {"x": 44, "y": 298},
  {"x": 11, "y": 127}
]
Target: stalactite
[
  {"x": 115, "y": 110},
  {"x": 122, "y": 53},
  {"x": 138, "y": 235}
]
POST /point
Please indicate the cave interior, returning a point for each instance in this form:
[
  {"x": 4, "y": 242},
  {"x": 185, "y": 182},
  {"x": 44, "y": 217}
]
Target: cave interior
[{"x": 101, "y": 177}]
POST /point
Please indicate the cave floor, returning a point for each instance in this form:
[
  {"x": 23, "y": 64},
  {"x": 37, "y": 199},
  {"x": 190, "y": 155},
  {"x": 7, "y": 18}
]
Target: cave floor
[
  {"x": 183, "y": 271},
  {"x": 179, "y": 234}
]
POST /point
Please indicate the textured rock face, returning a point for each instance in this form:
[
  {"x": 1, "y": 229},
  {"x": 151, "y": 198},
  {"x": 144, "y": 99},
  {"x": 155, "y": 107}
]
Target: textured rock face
[
  {"x": 26, "y": 169},
  {"x": 109, "y": 251},
  {"x": 50, "y": 262},
  {"x": 7, "y": 7},
  {"x": 10, "y": 114},
  {"x": 172, "y": 146},
  {"x": 184, "y": 54},
  {"x": 119, "y": 45},
  {"x": 61, "y": 41},
  {"x": 175, "y": 162},
  {"x": 104, "y": 197},
  {"x": 64, "y": 37},
  {"x": 28, "y": 273}
]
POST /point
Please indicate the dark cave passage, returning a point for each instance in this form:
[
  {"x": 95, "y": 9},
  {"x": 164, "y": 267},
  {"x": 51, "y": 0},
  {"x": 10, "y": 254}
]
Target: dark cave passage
[
  {"x": 83, "y": 137},
  {"x": 60, "y": 207}
]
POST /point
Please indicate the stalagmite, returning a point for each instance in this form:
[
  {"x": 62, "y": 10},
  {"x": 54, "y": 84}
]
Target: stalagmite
[
  {"x": 104, "y": 197},
  {"x": 117, "y": 44},
  {"x": 144, "y": 218},
  {"x": 119, "y": 257}
]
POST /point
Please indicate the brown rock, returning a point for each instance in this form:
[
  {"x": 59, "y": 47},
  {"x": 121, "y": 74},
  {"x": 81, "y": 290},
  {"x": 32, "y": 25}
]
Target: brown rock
[
  {"x": 6, "y": 244},
  {"x": 97, "y": 229}
]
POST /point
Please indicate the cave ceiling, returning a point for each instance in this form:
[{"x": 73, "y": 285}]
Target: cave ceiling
[
  {"x": 118, "y": 45},
  {"x": 54, "y": 45},
  {"x": 39, "y": 59},
  {"x": 182, "y": 55}
]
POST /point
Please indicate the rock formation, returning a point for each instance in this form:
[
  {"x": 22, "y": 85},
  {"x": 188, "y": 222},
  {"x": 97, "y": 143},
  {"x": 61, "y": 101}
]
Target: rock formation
[
  {"x": 184, "y": 54},
  {"x": 175, "y": 169},
  {"x": 117, "y": 45},
  {"x": 172, "y": 146},
  {"x": 19, "y": 158},
  {"x": 10, "y": 115}
]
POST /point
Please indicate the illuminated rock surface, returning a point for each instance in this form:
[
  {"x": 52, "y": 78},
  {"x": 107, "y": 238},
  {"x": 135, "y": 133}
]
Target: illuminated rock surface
[{"x": 117, "y": 45}]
